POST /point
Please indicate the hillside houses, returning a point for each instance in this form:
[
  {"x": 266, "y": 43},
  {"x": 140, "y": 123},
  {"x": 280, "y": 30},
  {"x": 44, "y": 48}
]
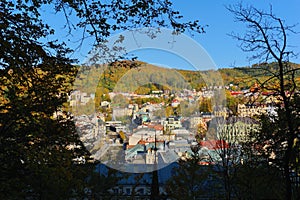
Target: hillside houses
[
  {"x": 80, "y": 98},
  {"x": 135, "y": 136},
  {"x": 252, "y": 110}
]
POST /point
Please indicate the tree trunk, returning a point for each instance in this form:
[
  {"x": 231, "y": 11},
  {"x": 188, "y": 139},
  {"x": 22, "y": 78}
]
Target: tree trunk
[{"x": 288, "y": 116}]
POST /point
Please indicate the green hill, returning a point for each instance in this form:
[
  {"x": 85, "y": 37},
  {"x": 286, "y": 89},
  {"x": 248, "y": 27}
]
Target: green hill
[{"x": 141, "y": 77}]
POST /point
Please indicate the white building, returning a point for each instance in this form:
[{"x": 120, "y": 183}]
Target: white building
[{"x": 171, "y": 123}]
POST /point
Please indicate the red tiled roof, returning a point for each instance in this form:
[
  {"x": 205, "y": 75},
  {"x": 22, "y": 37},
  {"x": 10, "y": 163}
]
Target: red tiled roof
[
  {"x": 236, "y": 92},
  {"x": 157, "y": 127}
]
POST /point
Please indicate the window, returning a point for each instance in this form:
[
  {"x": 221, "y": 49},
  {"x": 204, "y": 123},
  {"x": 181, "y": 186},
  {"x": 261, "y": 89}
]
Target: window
[
  {"x": 128, "y": 191},
  {"x": 141, "y": 191}
]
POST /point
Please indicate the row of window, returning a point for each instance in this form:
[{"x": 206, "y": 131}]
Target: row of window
[{"x": 128, "y": 191}]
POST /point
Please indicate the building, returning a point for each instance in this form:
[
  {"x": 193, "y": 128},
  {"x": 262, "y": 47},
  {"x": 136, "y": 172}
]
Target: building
[
  {"x": 175, "y": 103},
  {"x": 151, "y": 156},
  {"x": 137, "y": 184},
  {"x": 121, "y": 112},
  {"x": 80, "y": 98},
  {"x": 171, "y": 123},
  {"x": 249, "y": 110},
  {"x": 207, "y": 116},
  {"x": 141, "y": 117},
  {"x": 233, "y": 129},
  {"x": 221, "y": 111},
  {"x": 105, "y": 104},
  {"x": 194, "y": 121}
]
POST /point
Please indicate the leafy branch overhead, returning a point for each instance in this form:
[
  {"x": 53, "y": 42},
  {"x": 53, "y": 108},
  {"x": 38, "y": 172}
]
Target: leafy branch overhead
[{"x": 101, "y": 18}]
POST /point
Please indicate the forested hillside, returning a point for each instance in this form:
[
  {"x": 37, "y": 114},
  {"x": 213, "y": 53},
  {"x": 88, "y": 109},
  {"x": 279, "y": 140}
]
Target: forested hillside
[{"x": 142, "y": 78}]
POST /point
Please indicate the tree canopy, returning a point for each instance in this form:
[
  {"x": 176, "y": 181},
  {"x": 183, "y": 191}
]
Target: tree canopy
[{"x": 38, "y": 141}]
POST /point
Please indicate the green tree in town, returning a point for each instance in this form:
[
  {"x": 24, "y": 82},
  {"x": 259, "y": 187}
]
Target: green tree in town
[
  {"x": 143, "y": 90},
  {"x": 120, "y": 101},
  {"x": 201, "y": 131},
  {"x": 232, "y": 102},
  {"x": 205, "y": 105},
  {"x": 169, "y": 111}
]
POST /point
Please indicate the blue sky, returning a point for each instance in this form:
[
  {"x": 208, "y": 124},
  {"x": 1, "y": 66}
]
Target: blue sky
[{"x": 222, "y": 49}]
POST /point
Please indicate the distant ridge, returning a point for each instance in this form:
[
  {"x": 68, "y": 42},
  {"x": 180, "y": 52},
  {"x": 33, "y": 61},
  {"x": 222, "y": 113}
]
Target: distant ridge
[{"x": 129, "y": 72}]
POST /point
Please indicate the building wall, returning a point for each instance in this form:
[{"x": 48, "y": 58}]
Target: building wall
[{"x": 236, "y": 132}]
